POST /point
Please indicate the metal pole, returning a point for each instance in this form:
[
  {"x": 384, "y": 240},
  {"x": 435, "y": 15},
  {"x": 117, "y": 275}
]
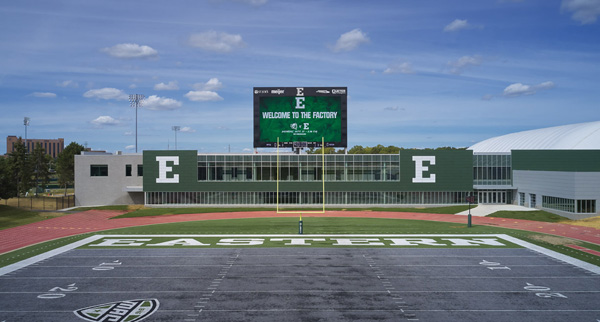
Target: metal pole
[
  {"x": 135, "y": 100},
  {"x": 470, "y": 198},
  {"x": 136, "y": 108},
  {"x": 176, "y": 128},
  {"x": 26, "y": 123}
]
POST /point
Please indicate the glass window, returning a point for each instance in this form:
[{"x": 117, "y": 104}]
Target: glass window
[
  {"x": 586, "y": 206},
  {"x": 140, "y": 170},
  {"x": 128, "y": 170},
  {"x": 99, "y": 170}
]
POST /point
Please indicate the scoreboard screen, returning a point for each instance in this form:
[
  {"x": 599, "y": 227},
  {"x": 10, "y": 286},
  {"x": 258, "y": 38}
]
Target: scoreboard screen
[{"x": 300, "y": 116}]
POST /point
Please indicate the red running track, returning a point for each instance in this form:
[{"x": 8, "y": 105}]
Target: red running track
[{"x": 98, "y": 220}]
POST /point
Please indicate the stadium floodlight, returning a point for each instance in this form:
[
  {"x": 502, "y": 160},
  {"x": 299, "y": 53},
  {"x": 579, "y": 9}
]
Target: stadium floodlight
[
  {"x": 176, "y": 128},
  {"x": 135, "y": 100},
  {"x": 26, "y": 123}
]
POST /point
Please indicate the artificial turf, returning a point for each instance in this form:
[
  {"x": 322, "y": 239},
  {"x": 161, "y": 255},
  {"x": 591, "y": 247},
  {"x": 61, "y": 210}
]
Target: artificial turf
[{"x": 316, "y": 225}]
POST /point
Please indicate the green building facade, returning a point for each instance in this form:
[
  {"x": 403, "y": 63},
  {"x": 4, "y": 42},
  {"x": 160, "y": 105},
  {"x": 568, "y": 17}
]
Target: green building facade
[{"x": 411, "y": 177}]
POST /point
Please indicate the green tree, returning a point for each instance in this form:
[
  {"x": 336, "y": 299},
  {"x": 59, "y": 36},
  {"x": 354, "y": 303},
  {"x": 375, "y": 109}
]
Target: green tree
[
  {"x": 40, "y": 162},
  {"x": 357, "y": 149},
  {"x": 20, "y": 168},
  {"x": 390, "y": 150},
  {"x": 8, "y": 187},
  {"x": 65, "y": 164}
]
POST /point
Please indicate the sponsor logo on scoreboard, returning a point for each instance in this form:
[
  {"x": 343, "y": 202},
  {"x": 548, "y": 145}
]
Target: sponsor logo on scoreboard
[
  {"x": 277, "y": 91},
  {"x": 338, "y": 91},
  {"x": 130, "y": 311},
  {"x": 323, "y": 91}
]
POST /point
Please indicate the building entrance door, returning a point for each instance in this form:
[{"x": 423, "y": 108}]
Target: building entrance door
[{"x": 492, "y": 196}]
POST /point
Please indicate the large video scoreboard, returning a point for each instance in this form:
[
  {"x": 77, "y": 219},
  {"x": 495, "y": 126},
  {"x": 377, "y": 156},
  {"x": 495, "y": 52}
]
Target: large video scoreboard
[{"x": 300, "y": 116}]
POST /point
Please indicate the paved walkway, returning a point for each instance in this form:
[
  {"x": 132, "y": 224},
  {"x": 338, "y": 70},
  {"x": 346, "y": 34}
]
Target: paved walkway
[
  {"x": 98, "y": 220},
  {"x": 484, "y": 210}
]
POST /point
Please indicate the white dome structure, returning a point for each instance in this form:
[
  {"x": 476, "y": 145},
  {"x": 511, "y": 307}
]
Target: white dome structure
[{"x": 581, "y": 136}]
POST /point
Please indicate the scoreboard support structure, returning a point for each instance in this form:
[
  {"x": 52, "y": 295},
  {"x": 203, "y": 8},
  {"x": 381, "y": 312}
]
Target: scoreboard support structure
[{"x": 300, "y": 212}]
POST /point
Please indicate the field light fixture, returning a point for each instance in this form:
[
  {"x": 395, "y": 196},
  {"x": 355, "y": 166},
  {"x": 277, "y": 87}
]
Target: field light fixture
[
  {"x": 176, "y": 128},
  {"x": 135, "y": 100}
]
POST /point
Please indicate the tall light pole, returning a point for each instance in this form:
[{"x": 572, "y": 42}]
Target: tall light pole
[
  {"x": 26, "y": 123},
  {"x": 176, "y": 128},
  {"x": 136, "y": 101}
]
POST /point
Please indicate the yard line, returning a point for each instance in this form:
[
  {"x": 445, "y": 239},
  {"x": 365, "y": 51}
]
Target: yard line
[
  {"x": 297, "y": 276},
  {"x": 505, "y": 310}
]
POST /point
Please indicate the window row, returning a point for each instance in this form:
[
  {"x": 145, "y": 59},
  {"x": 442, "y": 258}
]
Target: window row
[
  {"x": 101, "y": 170},
  {"x": 385, "y": 173},
  {"x": 569, "y": 205},
  {"x": 304, "y": 198},
  {"x": 492, "y": 169},
  {"x": 295, "y": 158}
]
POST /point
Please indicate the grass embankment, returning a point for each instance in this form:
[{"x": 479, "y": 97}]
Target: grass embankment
[
  {"x": 538, "y": 215},
  {"x": 544, "y": 216},
  {"x": 13, "y": 217}
]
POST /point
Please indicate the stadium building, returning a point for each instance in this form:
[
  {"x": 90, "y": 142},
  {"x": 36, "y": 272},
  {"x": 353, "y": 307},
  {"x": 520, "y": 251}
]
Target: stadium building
[{"x": 556, "y": 169}]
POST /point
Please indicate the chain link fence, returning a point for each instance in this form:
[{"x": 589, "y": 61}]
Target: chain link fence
[{"x": 41, "y": 202}]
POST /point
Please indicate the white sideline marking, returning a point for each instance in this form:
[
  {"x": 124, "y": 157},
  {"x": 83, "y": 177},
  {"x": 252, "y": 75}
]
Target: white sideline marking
[
  {"x": 550, "y": 253},
  {"x": 38, "y": 258}
]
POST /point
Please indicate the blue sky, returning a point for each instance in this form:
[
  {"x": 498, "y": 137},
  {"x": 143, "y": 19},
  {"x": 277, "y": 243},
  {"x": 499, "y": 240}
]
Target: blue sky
[{"x": 419, "y": 73}]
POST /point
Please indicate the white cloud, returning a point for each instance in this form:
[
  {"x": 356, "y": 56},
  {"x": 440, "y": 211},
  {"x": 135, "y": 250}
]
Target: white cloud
[
  {"x": 107, "y": 93},
  {"x": 213, "y": 84},
  {"x": 458, "y": 66},
  {"x": 584, "y": 11},
  {"x": 399, "y": 68},
  {"x": 130, "y": 51},
  {"x": 156, "y": 103},
  {"x": 130, "y": 147},
  {"x": 68, "y": 83},
  {"x": 456, "y": 25},
  {"x": 220, "y": 42},
  {"x": 391, "y": 108},
  {"x": 187, "y": 129},
  {"x": 350, "y": 40},
  {"x": 203, "y": 96},
  {"x": 545, "y": 85},
  {"x": 170, "y": 86},
  {"x": 518, "y": 89},
  {"x": 105, "y": 120},
  {"x": 43, "y": 95}
]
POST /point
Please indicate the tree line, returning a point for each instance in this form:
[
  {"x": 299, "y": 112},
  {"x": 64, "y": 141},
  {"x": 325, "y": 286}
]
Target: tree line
[
  {"x": 378, "y": 149},
  {"x": 20, "y": 171}
]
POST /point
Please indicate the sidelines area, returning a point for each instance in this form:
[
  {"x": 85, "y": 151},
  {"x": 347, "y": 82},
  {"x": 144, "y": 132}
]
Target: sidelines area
[{"x": 288, "y": 278}]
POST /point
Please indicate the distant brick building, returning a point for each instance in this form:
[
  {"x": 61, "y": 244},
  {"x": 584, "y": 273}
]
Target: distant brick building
[{"x": 52, "y": 146}]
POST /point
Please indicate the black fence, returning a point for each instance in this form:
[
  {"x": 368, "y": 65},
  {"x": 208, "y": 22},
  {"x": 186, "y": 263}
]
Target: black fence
[{"x": 41, "y": 202}]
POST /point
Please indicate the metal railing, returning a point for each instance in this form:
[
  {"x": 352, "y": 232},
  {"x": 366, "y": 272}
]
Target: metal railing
[{"x": 41, "y": 202}]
